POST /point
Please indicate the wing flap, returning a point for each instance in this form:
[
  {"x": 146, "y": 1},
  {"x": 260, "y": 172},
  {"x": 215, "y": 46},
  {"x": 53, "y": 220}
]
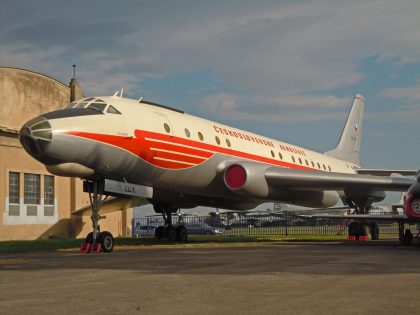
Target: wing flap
[{"x": 318, "y": 181}]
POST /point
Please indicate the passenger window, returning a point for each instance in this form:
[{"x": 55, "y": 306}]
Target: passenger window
[
  {"x": 293, "y": 159},
  {"x": 300, "y": 161},
  {"x": 280, "y": 156},
  {"x": 167, "y": 128},
  {"x": 306, "y": 162},
  {"x": 329, "y": 168},
  {"x": 319, "y": 166},
  {"x": 217, "y": 140},
  {"x": 272, "y": 153},
  {"x": 187, "y": 133},
  {"x": 112, "y": 110},
  {"x": 200, "y": 135},
  {"x": 228, "y": 143},
  {"x": 313, "y": 164},
  {"x": 324, "y": 167}
]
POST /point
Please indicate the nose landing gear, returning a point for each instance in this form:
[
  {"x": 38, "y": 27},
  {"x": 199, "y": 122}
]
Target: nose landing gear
[{"x": 97, "y": 241}]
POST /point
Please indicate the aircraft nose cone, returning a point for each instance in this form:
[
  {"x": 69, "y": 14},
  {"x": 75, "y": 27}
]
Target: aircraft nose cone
[{"x": 35, "y": 136}]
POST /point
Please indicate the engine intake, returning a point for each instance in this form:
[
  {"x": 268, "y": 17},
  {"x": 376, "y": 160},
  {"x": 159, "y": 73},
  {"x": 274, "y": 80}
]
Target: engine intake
[{"x": 412, "y": 202}]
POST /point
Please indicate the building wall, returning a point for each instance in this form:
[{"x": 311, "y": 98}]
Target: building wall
[{"x": 24, "y": 95}]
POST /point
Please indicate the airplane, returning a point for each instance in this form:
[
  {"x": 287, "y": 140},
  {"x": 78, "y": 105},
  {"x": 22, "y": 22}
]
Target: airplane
[{"x": 140, "y": 152}]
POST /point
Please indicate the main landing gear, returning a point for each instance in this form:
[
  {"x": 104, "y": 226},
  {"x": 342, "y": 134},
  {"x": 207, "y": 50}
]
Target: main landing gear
[
  {"x": 361, "y": 230},
  {"x": 97, "y": 241},
  {"x": 406, "y": 237},
  {"x": 169, "y": 231}
]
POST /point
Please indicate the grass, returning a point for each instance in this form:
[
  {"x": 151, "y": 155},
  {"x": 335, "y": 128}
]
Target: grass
[{"x": 194, "y": 240}]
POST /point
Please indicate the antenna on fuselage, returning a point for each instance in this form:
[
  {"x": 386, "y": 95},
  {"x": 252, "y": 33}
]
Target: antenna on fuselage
[
  {"x": 140, "y": 99},
  {"x": 119, "y": 92}
]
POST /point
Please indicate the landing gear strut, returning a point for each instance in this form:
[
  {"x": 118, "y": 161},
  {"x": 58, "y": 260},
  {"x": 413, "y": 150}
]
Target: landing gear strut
[
  {"x": 97, "y": 240},
  {"x": 173, "y": 233}
]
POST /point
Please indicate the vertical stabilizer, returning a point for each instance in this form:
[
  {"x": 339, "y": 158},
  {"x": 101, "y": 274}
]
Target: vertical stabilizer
[{"x": 349, "y": 146}]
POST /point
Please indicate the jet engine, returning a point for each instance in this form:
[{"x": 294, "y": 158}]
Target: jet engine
[{"x": 412, "y": 202}]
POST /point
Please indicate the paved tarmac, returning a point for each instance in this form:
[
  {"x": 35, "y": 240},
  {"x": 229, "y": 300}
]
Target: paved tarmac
[{"x": 377, "y": 277}]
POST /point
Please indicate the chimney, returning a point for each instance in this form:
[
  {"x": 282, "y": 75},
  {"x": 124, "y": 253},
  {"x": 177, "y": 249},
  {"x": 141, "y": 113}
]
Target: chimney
[{"x": 76, "y": 91}]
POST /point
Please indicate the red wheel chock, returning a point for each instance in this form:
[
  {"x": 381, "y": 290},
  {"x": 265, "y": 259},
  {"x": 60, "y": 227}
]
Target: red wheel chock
[
  {"x": 351, "y": 238},
  {"x": 90, "y": 248}
]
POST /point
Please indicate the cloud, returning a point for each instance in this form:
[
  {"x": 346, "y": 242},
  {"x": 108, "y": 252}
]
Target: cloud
[
  {"x": 287, "y": 109},
  {"x": 404, "y": 94}
]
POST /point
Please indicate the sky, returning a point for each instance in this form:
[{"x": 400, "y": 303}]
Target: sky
[{"x": 285, "y": 69}]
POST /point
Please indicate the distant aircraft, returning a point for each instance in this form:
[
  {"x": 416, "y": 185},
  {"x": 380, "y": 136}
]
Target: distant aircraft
[{"x": 141, "y": 152}]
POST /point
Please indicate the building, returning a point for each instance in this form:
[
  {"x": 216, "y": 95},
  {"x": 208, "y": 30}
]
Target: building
[{"x": 37, "y": 204}]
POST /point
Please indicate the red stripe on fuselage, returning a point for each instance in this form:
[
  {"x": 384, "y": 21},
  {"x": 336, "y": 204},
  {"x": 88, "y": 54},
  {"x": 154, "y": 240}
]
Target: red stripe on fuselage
[{"x": 143, "y": 141}]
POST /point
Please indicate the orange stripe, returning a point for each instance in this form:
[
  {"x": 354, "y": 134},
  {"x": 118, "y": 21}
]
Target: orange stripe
[{"x": 140, "y": 147}]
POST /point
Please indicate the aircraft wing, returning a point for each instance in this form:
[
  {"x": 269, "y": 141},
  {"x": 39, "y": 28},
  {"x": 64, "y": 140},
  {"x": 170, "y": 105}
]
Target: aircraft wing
[
  {"x": 305, "y": 187},
  {"x": 113, "y": 204},
  {"x": 314, "y": 180}
]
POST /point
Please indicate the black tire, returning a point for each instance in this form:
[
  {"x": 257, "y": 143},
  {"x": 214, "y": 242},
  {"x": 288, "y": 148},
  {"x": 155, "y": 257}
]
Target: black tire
[
  {"x": 107, "y": 242},
  {"x": 374, "y": 231},
  {"x": 354, "y": 229},
  {"x": 408, "y": 237},
  {"x": 181, "y": 233},
  {"x": 171, "y": 232},
  {"x": 160, "y": 232},
  {"x": 364, "y": 229},
  {"x": 89, "y": 238}
]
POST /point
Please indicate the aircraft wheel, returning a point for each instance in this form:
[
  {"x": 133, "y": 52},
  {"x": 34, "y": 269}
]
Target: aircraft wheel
[
  {"x": 160, "y": 232},
  {"x": 408, "y": 237},
  {"x": 354, "y": 229},
  {"x": 171, "y": 232},
  {"x": 181, "y": 233},
  {"x": 107, "y": 242},
  {"x": 374, "y": 231},
  {"x": 363, "y": 229},
  {"x": 89, "y": 238}
]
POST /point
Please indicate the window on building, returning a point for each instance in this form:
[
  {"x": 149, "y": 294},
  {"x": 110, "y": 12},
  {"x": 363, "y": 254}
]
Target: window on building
[
  {"x": 32, "y": 189},
  {"x": 49, "y": 190},
  {"x": 14, "y": 187}
]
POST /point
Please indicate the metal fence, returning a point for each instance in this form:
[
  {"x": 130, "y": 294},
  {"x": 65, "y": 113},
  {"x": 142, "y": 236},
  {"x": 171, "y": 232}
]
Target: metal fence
[{"x": 273, "y": 224}]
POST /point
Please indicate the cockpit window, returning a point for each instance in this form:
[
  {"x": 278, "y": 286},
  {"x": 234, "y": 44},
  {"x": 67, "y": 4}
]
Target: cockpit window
[
  {"x": 89, "y": 99},
  {"x": 70, "y": 105},
  {"x": 80, "y": 105},
  {"x": 112, "y": 110},
  {"x": 98, "y": 100},
  {"x": 98, "y": 106}
]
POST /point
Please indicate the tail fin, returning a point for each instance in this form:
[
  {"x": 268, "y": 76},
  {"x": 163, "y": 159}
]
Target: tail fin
[{"x": 349, "y": 146}]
